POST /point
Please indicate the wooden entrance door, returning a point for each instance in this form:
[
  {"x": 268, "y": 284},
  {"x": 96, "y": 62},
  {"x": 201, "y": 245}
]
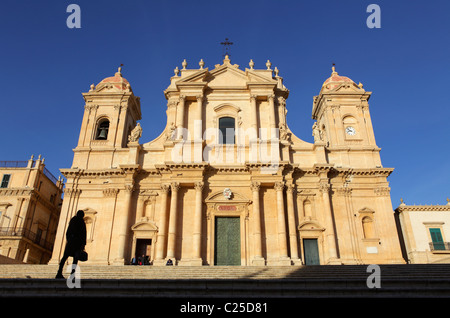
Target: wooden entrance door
[
  {"x": 227, "y": 244},
  {"x": 311, "y": 249}
]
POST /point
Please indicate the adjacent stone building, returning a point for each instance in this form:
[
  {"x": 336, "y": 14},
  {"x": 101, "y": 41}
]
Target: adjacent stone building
[
  {"x": 227, "y": 182},
  {"x": 424, "y": 232},
  {"x": 30, "y": 205}
]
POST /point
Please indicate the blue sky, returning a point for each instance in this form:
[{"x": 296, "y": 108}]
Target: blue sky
[{"x": 45, "y": 66}]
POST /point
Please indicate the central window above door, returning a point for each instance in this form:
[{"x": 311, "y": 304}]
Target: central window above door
[{"x": 227, "y": 128}]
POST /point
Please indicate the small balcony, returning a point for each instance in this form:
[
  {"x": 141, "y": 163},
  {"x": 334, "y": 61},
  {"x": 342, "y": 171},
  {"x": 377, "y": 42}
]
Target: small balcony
[
  {"x": 439, "y": 246},
  {"x": 8, "y": 233}
]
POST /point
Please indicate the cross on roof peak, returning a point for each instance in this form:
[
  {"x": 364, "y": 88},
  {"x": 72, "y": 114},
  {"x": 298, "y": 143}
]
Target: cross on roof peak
[{"x": 226, "y": 44}]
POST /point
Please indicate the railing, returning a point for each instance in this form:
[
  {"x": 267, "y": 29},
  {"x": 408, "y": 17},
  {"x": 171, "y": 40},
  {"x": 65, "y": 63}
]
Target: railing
[
  {"x": 440, "y": 246},
  {"x": 21, "y": 232},
  {"x": 13, "y": 164},
  {"x": 50, "y": 175},
  {"x": 24, "y": 164}
]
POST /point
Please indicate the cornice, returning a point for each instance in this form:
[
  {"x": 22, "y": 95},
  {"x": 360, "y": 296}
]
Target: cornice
[
  {"x": 384, "y": 172},
  {"x": 423, "y": 208},
  {"x": 72, "y": 173},
  {"x": 28, "y": 193},
  {"x": 17, "y": 191},
  {"x": 177, "y": 166}
]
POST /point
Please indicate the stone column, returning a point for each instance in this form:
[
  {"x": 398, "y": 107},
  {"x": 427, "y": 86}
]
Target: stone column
[
  {"x": 281, "y": 222},
  {"x": 331, "y": 239},
  {"x": 273, "y": 123},
  {"x": 253, "y": 135},
  {"x": 171, "y": 241},
  {"x": 124, "y": 225},
  {"x": 161, "y": 243},
  {"x": 70, "y": 195},
  {"x": 24, "y": 210},
  {"x": 254, "y": 116},
  {"x": 180, "y": 117},
  {"x": 258, "y": 258},
  {"x": 198, "y": 133},
  {"x": 197, "y": 233},
  {"x": 291, "y": 222},
  {"x": 16, "y": 213}
]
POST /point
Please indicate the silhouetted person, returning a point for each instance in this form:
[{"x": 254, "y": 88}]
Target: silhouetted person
[{"x": 76, "y": 240}]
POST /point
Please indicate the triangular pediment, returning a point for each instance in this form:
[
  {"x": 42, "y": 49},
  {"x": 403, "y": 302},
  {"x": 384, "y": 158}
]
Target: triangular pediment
[
  {"x": 224, "y": 75},
  {"x": 107, "y": 88},
  {"x": 347, "y": 88},
  {"x": 196, "y": 77},
  {"x": 227, "y": 76}
]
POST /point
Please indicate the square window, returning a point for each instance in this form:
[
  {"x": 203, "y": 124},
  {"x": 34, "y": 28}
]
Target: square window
[{"x": 5, "y": 181}]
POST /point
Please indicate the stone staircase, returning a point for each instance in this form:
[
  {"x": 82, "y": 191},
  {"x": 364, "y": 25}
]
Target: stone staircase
[{"x": 419, "y": 280}]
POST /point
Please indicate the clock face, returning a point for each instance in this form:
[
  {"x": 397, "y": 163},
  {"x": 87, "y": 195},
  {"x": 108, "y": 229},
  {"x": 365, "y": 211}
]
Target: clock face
[{"x": 350, "y": 131}]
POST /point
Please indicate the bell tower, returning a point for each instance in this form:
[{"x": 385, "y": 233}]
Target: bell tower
[
  {"x": 343, "y": 124},
  {"x": 111, "y": 112}
]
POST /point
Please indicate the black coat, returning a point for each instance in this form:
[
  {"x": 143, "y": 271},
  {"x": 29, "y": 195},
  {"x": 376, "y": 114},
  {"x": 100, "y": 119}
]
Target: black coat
[{"x": 75, "y": 235}]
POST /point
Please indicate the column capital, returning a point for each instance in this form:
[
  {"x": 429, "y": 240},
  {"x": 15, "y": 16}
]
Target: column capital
[
  {"x": 255, "y": 185},
  {"x": 165, "y": 188},
  {"x": 175, "y": 186},
  {"x": 110, "y": 192},
  {"x": 199, "y": 97},
  {"x": 290, "y": 188},
  {"x": 182, "y": 98},
  {"x": 324, "y": 187},
  {"x": 129, "y": 188},
  {"x": 281, "y": 101},
  {"x": 270, "y": 97},
  {"x": 279, "y": 186},
  {"x": 199, "y": 186},
  {"x": 253, "y": 97},
  {"x": 172, "y": 103}
]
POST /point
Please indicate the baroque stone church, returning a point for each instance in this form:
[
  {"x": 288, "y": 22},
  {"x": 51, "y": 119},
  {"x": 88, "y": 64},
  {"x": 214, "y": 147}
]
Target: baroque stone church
[{"x": 227, "y": 182}]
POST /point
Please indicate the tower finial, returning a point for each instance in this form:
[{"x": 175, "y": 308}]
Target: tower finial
[
  {"x": 333, "y": 69},
  {"x": 251, "y": 64},
  {"x": 226, "y": 60},
  {"x": 119, "y": 70}
]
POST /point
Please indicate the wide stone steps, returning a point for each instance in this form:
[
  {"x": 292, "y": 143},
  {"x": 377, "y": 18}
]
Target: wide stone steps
[
  {"x": 427, "y": 280},
  {"x": 229, "y": 272}
]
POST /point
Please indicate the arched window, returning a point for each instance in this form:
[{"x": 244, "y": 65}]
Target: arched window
[
  {"x": 349, "y": 120},
  {"x": 367, "y": 224},
  {"x": 227, "y": 128},
  {"x": 102, "y": 129},
  {"x": 307, "y": 209}
]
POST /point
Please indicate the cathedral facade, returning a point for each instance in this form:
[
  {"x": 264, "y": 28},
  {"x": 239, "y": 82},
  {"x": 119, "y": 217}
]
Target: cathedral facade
[{"x": 227, "y": 182}]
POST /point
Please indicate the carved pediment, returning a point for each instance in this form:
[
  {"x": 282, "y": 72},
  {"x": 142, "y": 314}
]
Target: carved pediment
[
  {"x": 219, "y": 197},
  {"x": 227, "y": 76},
  {"x": 310, "y": 225},
  {"x": 144, "y": 226},
  {"x": 347, "y": 88},
  {"x": 195, "y": 78},
  {"x": 366, "y": 212},
  {"x": 107, "y": 88}
]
